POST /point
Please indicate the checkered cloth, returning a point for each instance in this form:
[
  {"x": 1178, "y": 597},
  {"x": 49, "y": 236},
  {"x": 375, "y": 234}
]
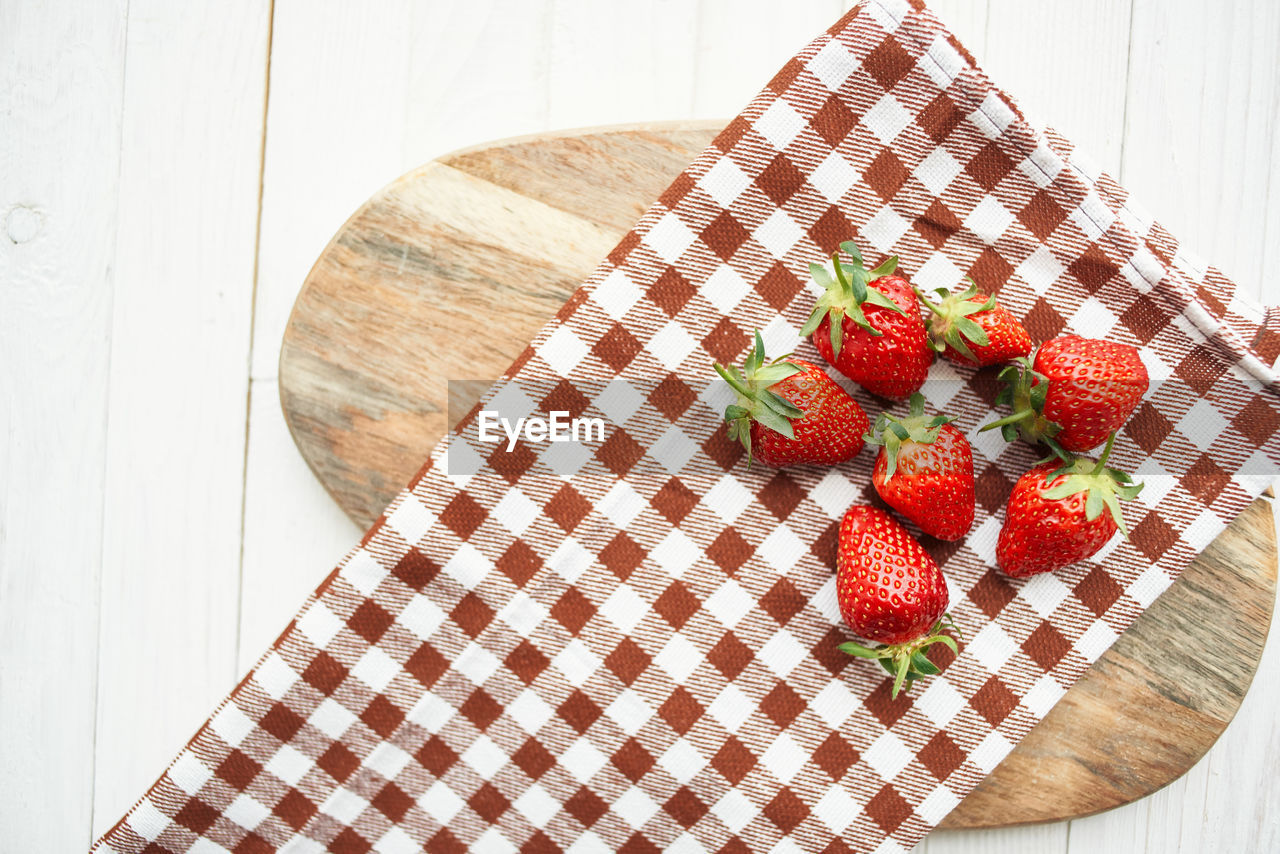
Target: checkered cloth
[{"x": 642, "y": 656}]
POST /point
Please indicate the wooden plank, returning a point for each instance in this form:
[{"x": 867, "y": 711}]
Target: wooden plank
[
  {"x": 61, "y": 79},
  {"x": 413, "y": 80},
  {"x": 738, "y": 52},
  {"x": 335, "y": 128},
  {"x": 1269, "y": 279},
  {"x": 1066, "y": 65},
  {"x": 1201, "y": 130},
  {"x": 1244, "y": 760},
  {"x": 458, "y": 90},
  {"x": 967, "y": 20},
  {"x": 293, "y": 531},
  {"x": 394, "y": 307},
  {"x": 336, "y": 119},
  {"x": 1200, "y": 152},
  {"x": 1038, "y": 838},
  {"x": 616, "y": 62},
  {"x": 180, "y": 344}
]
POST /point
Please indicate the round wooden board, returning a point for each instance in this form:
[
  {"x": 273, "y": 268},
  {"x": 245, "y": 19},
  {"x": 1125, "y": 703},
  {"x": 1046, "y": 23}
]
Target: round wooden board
[{"x": 498, "y": 236}]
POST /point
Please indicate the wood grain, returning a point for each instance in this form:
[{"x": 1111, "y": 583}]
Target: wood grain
[
  {"x": 1201, "y": 130},
  {"x": 170, "y": 587},
  {"x": 367, "y": 404},
  {"x": 293, "y": 533},
  {"x": 502, "y": 233},
  {"x": 61, "y": 86}
]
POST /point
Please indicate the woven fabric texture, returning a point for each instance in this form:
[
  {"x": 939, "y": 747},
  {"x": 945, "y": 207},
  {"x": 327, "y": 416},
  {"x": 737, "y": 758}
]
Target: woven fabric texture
[{"x": 642, "y": 656}]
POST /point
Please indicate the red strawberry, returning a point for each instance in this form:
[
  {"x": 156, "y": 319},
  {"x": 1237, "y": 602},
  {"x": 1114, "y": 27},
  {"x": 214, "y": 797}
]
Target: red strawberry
[
  {"x": 970, "y": 328},
  {"x": 1061, "y": 512},
  {"x": 789, "y": 411},
  {"x": 925, "y": 471},
  {"x": 890, "y": 591},
  {"x": 868, "y": 325},
  {"x": 1079, "y": 391}
]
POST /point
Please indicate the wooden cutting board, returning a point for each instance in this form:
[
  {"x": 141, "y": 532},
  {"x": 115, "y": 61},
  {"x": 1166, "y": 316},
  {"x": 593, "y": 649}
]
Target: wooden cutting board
[{"x": 498, "y": 236}]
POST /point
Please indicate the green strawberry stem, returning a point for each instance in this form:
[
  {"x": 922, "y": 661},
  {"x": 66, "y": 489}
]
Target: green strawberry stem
[
  {"x": 845, "y": 294},
  {"x": 1024, "y": 393},
  {"x": 891, "y": 431},
  {"x": 756, "y": 402},
  {"x": 1106, "y": 487},
  {"x": 906, "y": 661},
  {"x": 951, "y": 323}
]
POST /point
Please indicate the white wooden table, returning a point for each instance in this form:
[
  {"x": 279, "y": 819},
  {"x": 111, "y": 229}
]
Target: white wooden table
[{"x": 168, "y": 172}]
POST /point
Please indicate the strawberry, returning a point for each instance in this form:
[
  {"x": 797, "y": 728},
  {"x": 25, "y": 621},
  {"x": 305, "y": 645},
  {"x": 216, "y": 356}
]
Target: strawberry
[
  {"x": 1056, "y": 514},
  {"x": 789, "y": 411},
  {"x": 1079, "y": 391},
  {"x": 867, "y": 324},
  {"x": 890, "y": 591},
  {"x": 970, "y": 328},
  {"x": 925, "y": 471}
]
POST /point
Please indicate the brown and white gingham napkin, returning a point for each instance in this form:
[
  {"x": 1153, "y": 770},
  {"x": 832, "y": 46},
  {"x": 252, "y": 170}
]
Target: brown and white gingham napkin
[{"x": 642, "y": 656}]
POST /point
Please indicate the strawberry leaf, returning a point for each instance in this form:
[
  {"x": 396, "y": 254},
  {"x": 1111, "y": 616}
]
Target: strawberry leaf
[
  {"x": 773, "y": 373},
  {"x": 907, "y": 661},
  {"x": 876, "y": 297},
  {"x": 1093, "y": 505},
  {"x": 836, "y": 329},
  {"x": 972, "y": 331},
  {"x": 821, "y": 276},
  {"x": 860, "y": 651},
  {"x": 893, "y": 432},
  {"x": 947, "y": 640},
  {"x": 903, "y": 667},
  {"x": 1025, "y": 392},
  {"x": 780, "y": 404},
  {"x": 950, "y": 323},
  {"x": 815, "y": 320},
  {"x": 887, "y": 267},
  {"x": 852, "y": 278},
  {"x": 923, "y": 665},
  {"x": 775, "y": 421},
  {"x": 757, "y": 402},
  {"x": 755, "y": 358},
  {"x": 953, "y": 339},
  {"x": 1104, "y": 487},
  {"x": 851, "y": 249},
  {"x": 845, "y": 291}
]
